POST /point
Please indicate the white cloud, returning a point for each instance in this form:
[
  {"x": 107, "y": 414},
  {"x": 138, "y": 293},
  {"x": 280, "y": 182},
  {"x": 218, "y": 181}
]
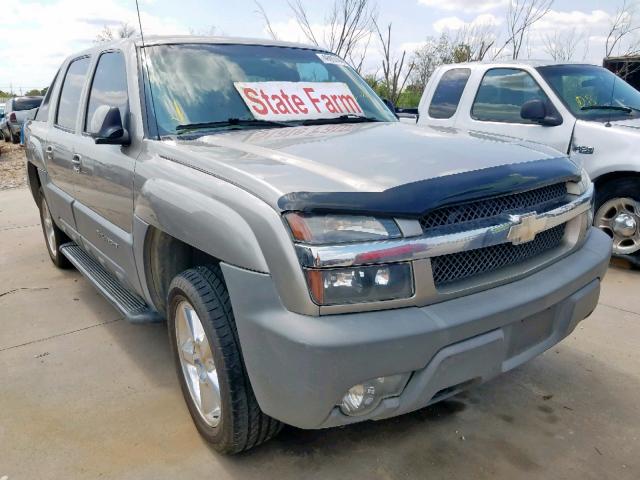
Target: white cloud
[
  {"x": 464, "y": 5},
  {"x": 588, "y": 27},
  {"x": 38, "y": 36},
  {"x": 453, "y": 24}
]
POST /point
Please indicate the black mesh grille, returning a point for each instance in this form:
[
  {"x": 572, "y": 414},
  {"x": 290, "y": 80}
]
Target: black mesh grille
[
  {"x": 533, "y": 200},
  {"x": 463, "y": 265}
]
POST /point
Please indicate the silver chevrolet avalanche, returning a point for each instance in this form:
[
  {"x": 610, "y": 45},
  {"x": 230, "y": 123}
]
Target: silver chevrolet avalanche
[{"x": 317, "y": 262}]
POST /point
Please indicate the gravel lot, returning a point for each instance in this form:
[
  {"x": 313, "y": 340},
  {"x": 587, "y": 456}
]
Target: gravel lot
[
  {"x": 12, "y": 173},
  {"x": 85, "y": 395}
]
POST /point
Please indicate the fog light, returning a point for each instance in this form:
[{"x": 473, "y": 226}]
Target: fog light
[{"x": 365, "y": 397}]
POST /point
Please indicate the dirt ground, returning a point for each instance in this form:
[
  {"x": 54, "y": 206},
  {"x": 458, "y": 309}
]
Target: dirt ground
[{"x": 12, "y": 172}]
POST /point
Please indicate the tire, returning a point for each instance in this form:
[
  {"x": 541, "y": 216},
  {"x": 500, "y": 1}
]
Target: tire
[
  {"x": 53, "y": 236},
  {"x": 7, "y": 138},
  {"x": 238, "y": 424},
  {"x": 15, "y": 139},
  {"x": 617, "y": 213}
]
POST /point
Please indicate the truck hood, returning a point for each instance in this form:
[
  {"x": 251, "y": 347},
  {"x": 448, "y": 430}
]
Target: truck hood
[
  {"x": 631, "y": 123},
  {"x": 371, "y": 157}
]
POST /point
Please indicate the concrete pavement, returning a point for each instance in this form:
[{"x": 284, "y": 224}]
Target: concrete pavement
[{"x": 84, "y": 394}]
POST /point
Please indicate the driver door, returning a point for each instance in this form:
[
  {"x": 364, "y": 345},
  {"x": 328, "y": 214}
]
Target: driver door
[
  {"x": 104, "y": 184},
  {"x": 496, "y": 109}
]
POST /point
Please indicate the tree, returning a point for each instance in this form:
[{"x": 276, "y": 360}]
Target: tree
[
  {"x": 621, "y": 28},
  {"x": 474, "y": 41},
  {"x": 562, "y": 47},
  {"x": 346, "y": 30},
  {"x": 34, "y": 92},
  {"x": 521, "y": 16},
  {"x": 431, "y": 55},
  {"x": 394, "y": 70},
  {"x": 106, "y": 34}
]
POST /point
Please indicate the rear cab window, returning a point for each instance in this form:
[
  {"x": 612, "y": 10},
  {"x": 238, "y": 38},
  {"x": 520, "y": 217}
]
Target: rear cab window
[
  {"x": 43, "y": 111},
  {"x": 69, "y": 101},
  {"x": 108, "y": 89},
  {"x": 448, "y": 93},
  {"x": 502, "y": 93}
]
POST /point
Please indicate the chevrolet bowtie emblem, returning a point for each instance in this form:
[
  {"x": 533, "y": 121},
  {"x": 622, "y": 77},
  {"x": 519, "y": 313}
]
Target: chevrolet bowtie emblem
[{"x": 526, "y": 228}]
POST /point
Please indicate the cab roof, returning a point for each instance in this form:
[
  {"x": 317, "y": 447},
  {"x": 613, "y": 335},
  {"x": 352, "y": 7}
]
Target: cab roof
[
  {"x": 186, "y": 39},
  {"x": 530, "y": 63}
]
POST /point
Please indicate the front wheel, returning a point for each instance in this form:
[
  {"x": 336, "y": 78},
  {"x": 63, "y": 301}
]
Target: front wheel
[
  {"x": 208, "y": 359},
  {"x": 618, "y": 215}
]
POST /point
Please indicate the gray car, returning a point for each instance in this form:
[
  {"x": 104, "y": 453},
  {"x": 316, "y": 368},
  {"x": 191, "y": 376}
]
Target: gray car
[{"x": 318, "y": 263}]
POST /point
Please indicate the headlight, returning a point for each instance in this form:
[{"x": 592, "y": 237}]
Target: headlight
[
  {"x": 330, "y": 229},
  {"x": 363, "y": 284},
  {"x": 580, "y": 187},
  {"x": 360, "y": 284}
]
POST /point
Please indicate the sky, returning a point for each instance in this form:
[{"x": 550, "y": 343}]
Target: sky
[{"x": 38, "y": 34}]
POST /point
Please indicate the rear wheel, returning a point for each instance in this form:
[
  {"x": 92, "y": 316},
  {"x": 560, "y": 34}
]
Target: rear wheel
[
  {"x": 618, "y": 215},
  {"x": 53, "y": 236},
  {"x": 209, "y": 363}
]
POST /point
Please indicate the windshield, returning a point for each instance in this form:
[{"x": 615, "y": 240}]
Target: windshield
[
  {"x": 199, "y": 85},
  {"x": 26, "y": 103},
  {"x": 593, "y": 93}
]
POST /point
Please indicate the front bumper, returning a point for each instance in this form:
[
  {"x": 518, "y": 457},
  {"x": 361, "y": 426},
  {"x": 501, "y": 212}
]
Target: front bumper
[{"x": 301, "y": 366}]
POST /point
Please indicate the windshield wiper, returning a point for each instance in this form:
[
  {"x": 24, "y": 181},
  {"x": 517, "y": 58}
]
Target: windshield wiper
[
  {"x": 340, "y": 119},
  {"x": 608, "y": 107},
  {"x": 230, "y": 122}
]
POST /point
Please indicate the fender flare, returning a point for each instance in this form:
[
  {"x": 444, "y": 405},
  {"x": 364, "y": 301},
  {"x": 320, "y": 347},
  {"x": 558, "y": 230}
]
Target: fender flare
[{"x": 201, "y": 222}]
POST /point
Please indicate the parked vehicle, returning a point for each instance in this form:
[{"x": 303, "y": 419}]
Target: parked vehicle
[
  {"x": 627, "y": 67},
  {"x": 318, "y": 262},
  {"x": 3, "y": 122},
  {"x": 17, "y": 111},
  {"x": 582, "y": 110}
]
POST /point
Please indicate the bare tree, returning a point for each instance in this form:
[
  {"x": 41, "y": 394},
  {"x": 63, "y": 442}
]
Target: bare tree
[
  {"x": 476, "y": 41},
  {"x": 394, "y": 70},
  {"x": 346, "y": 30},
  {"x": 562, "y": 46},
  {"x": 521, "y": 16},
  {"x": 107, "y": 34},
  {"x": 265, "y": 18},
  {"x": 622, "y": 27}
]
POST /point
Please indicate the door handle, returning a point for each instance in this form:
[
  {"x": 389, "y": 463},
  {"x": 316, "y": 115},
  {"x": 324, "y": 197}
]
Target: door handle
[
  {"x": 49, "y": 152},
  {"x": 77, "y": 162}
]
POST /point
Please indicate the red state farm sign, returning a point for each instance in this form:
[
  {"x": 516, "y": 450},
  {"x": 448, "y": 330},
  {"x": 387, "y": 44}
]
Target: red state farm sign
[{"x": 298, "y": 100}]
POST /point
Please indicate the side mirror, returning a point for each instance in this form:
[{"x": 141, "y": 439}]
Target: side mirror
[
  {"x": 536, "y": 111},
  {"x": 391, "y": 106},
  {"x": 111, "y": 131}
]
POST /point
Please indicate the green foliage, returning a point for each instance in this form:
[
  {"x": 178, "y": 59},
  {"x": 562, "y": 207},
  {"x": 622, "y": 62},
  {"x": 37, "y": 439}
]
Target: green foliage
[{"x": 409, "y": 98}]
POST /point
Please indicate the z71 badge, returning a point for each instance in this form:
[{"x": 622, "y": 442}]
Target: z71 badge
[{"x": 584, "y": 150}]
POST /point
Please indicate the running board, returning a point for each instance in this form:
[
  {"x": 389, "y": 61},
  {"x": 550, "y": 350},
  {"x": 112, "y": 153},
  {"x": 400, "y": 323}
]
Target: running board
[{"x": 133, "y": 307}]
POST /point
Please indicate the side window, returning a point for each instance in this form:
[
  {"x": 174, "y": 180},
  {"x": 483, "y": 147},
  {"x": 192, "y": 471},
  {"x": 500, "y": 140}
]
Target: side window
[
  {"x": 502, "y": 93},
  {"x": 109, "y": 89},
  {"x": 69, "y": 101},
  {"x": 448, "y": 93},
  {"x": 43, "y": 111}
]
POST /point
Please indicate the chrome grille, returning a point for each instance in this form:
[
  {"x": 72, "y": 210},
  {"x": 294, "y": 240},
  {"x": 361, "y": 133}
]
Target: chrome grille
[
  {"x": 460, "y": 266},
  {"x": 532, "y": 200}
]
